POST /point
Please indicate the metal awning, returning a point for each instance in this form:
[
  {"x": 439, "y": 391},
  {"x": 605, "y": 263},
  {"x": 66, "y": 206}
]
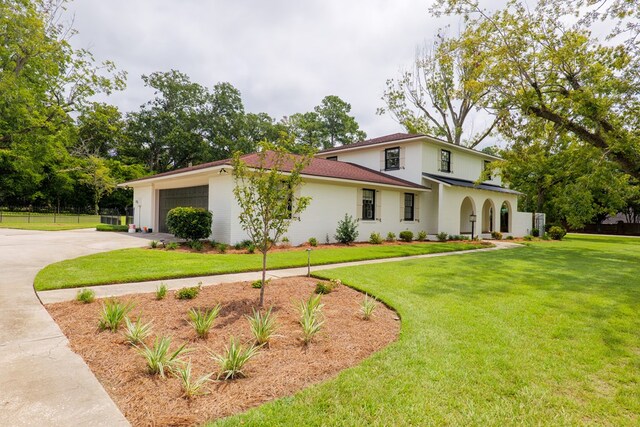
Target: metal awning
[{"x": 456, "y": 182}]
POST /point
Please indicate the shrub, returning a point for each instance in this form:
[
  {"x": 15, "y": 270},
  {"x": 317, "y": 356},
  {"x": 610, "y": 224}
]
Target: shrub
[
  {"x": 557, "y": 232},
  {"x": 263, "y": 326},
  {"x": 442, "y": 236},
  {"x": 161, "y": 291},
  {"x": 153, "y": 244},
  {"x": 109, "y": 227},
  {"x": 136, "y": 333},
  {"x": 158, "y": 357},
  {"x": 535, "y": 232},
  {"x": 171, "y": 246},
  {"x": 391, "y": 237},
  {"x": 313, "y": 241},
  {"x": 189, "y": 223},
  {"x": 406, "y": 236},
  {"x": 310, "y": 317},
  {"x": 86, "y": 296},
  {"x": 545, "y": 236},
  {"x": 190, "y": 389},
  {"x": 222, "y": 247},
  {"x": 258, "y": 283},
  {"x": 509, "y": 237},
  {"x": 196, "y": 245},
  {"x": 347, "y": 231},
  {"x": 202, "y": 321},
  {"x": 188, "y": 293},
  {"x": 496, "y": 235},
  {"x": 528, "y": 237},
  {"x": 422, "y": 236},
  {"x": 367, "y": 307},
  {"x": 233, "y": 359},
  {"x": 327, "y": 287},
  {"x": 251, "y": 248},
  {"x": 113, "y": 313},
  {"x": 284, "y": 242},
  {"x": 375, "y": 238}
]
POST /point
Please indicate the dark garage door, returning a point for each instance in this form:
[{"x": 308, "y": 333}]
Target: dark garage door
[{"x": 197, "y": 197}]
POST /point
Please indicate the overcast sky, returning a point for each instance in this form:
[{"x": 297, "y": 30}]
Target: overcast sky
[{"x": 284, "y": 56}]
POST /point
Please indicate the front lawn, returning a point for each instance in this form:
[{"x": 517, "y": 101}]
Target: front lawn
[
  {"x": 543, "y": 335},
  {"x": 136, "y": 265},
  {"x": 47, "y": 226}
]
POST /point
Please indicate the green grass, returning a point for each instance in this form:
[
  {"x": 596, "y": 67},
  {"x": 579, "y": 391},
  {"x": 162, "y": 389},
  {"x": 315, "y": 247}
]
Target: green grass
[
  {"x": 47, "y": 226},
  {"x": 548, "y": 334},
  {"x": 135, "y": 265}
]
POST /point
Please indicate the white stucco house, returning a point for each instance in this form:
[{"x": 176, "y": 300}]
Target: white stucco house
[{"x": 392, "y": 183}]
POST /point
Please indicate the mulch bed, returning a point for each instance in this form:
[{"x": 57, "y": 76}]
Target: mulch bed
[{"x": 280, "y": 370}]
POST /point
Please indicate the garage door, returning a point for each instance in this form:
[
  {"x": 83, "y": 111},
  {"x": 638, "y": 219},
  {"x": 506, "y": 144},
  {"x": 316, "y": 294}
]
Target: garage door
[{"x": 197, "y": 197}]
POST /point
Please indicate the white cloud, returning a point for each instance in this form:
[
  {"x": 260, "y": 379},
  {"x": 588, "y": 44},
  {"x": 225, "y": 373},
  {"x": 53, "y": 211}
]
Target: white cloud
[{"x": 284, "y": 56}]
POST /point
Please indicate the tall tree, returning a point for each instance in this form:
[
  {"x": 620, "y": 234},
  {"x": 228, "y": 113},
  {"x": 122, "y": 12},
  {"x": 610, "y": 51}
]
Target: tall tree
[
  {"x": 266, "y": 191},
  {"x": 440, "y": 96},
  {"x": 543, "y": 69}
]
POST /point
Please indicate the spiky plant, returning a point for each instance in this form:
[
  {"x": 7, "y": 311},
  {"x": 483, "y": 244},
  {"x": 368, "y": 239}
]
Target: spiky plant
[
  {"x": 191, "y": 388},
  {"x": 233, "y": 359},
  {"x": 113, "y": 313},
  {"x": 368, "y": 306},
  {"x": 136, "y": 332},
  {"x": 161, "y": 291},
  {"x": 158, "y": 357},
  {"x": 263, "y": 326},
  {"x": 202, "y": 321},
  {"x": 311, "y": 319}
]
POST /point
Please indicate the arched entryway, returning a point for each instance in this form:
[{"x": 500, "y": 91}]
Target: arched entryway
[
  {"x": 467, "y": 208},
  {"x": 488, "y": 210},
  {"x": 505, "y": 217}
]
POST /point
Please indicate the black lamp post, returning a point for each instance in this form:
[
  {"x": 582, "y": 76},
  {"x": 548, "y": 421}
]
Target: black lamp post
[{"x": 472, "y": 218}]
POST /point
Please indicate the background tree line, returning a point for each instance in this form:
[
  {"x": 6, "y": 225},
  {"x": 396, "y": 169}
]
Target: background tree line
[{"x": 60, "y": 149}]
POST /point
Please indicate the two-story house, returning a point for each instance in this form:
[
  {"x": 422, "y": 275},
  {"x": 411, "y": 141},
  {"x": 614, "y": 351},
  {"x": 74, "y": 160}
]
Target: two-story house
[{"x": 392, "y": 183}]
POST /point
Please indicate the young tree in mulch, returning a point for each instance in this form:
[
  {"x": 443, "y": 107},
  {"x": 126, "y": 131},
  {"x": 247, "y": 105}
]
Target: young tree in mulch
[{"x": 265, "y": 190}]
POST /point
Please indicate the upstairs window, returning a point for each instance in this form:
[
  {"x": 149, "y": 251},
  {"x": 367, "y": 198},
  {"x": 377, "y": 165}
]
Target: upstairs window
[
  {"x": 368, "y": 204},
  {"x": 409, "y": 202},
  {"x": 332, "y": 158},
  {"x": 445, "y": 161},
  {"x": 392, "y": 158},
  {"x": 487, "y": 168}
]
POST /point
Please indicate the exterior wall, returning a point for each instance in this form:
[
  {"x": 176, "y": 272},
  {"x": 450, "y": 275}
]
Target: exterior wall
[
  {"x": 452, "y": 221},
  {"x": 329, "y": 203},
  {"x": 464, "y": 164},
  {"x": 221, "y": 202}
]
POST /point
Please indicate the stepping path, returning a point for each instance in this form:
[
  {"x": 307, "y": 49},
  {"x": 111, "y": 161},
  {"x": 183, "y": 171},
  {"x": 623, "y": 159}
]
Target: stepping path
[
  {"x": 102, "y": 291},
  {"x": 43, "y": 382}
]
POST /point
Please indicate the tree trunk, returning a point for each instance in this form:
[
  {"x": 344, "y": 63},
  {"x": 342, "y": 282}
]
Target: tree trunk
[{"x": 264, "y": 276}]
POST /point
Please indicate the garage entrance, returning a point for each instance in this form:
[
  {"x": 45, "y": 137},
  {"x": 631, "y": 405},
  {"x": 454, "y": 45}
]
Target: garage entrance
[{"x": 197, "y": 197}]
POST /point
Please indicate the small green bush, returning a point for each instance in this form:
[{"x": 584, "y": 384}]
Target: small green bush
[
  {"x": 188, "y": 293},
  {"x": 233, "y": 359},
  {"x": 391, "y": 237},
  {"x": 327, "y": 287},
  {"x": 109, "y": 227},
  {"x": 263, "y": 326},
  {"x": 251, "y": 248},
  {"x": 161, "y": 291},
  {"x": 509, "y": 237},
  {"x": 113, "y": 313},
  {"x": 158, "y": 357},
  {"x": 347, "y": 231},
  {"x": 368, "y": 306},
  {"x": 528, "y": 237},
  {"x": 422, "y": 236},
  {"x": 202, "y": 321},
  {"x": 313, "y": 241},
  {"x": 545, "y": 236},
  {"x": 406, "y": 236},
  {"x": 311, "y": 319},
  {"x": 222, "y": 247},
  {"x": 86, "y": 296},
  {"x": 375, "y": 238},
  {"x": 257, "y": 284},
  {"x": 136, "y": 332},
  {"x": 535, "y": 232},
  {"x": 190, "y": 388},
  {"x": 442, "y": 236},
  {"x": 153, "y": 244},
  {"x": 496, "y": 235},
  {"x": 189, "y": 223},
  {"x": 172, "y": 246},
  {"x": 196, "y": 245},
  {"x": 557, "y": 233}
]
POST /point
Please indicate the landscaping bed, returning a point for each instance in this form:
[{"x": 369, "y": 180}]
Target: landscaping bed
[{"x": 283, "y": 368}]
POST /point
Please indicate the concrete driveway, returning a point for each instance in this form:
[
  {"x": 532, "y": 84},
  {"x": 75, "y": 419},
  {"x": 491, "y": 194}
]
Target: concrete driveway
[{"x": 42, "y": 381}]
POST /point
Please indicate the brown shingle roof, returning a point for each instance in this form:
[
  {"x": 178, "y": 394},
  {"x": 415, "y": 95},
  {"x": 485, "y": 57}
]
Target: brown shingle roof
[
  {"x": 373, "y": 141},
  {"x": 317, "y": 167}
]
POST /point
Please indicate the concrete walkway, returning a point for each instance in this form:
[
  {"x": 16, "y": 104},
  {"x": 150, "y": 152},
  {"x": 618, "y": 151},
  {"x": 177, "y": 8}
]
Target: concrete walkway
[
  {"x": 114, "y": 290},
  {"x": 42, "y": 381}
]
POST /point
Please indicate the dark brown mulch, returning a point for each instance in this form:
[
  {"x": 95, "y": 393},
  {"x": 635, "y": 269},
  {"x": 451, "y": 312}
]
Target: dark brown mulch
[{"x": 280, "y": 370}]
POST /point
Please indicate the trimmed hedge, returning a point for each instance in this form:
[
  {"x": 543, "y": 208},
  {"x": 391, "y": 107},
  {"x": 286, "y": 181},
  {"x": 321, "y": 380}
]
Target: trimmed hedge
[
  {"x": 109, "y": 227},
  {"x": 189, "y": 223}
]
